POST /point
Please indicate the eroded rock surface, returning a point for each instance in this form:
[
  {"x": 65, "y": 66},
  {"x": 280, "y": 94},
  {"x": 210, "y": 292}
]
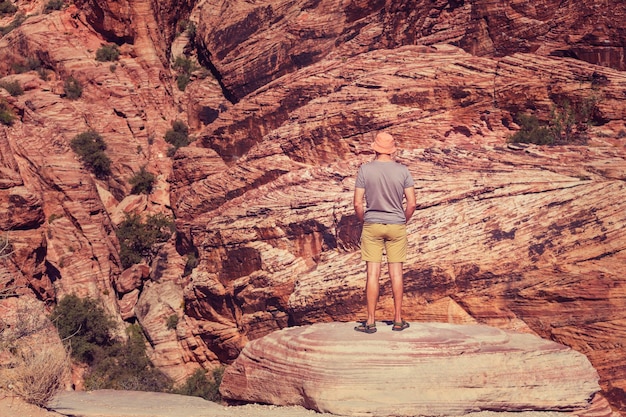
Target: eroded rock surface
[
  {"x": 430, "y": 369},
  {"x": 282, "y": 112}
]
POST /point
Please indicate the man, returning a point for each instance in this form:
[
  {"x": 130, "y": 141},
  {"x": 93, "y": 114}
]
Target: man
[{"x": 384, "y": 184}]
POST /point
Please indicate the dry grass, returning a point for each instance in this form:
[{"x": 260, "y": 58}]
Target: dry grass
[
  {"x": 34, "y": 364},
  {"x": 37, "y": 374}
]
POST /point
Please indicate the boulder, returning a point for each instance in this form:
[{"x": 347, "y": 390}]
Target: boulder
[{"x": 430, "y": 369}]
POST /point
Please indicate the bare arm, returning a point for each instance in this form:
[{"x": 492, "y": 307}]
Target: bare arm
[
  {"x": 359, "y": 194},
  {"x": 411, "y": 203}
]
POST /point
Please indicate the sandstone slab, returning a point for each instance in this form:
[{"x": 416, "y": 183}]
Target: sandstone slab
[{"x": 430, "y": 369}]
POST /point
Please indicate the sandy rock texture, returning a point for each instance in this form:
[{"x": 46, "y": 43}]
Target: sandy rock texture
[
  {"x": 429, "y": 369},
  {"x": 283, "y": 100}
]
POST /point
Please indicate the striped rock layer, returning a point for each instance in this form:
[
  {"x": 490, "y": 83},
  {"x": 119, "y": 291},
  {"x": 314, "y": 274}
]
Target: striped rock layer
[{"x": 430, "y": 369}]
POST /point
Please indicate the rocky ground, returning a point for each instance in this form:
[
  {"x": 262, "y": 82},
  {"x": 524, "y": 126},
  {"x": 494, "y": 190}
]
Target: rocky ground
[
  {"x": 109, "y": 403},
  {"x": 134, "y": 404}
]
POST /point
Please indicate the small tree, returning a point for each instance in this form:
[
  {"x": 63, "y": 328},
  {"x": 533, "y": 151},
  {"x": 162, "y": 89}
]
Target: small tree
[
  {"x": 177, "y": 136},
  {"x": 84, "y": 326},
  {"x": 17, "y": 22},
  {"x": 113, "y": 364},
  {"x": 109, "y": 52},
  {"x": 137, "y": 238},
  {"x": 185, "y": 67},
  {"x": 142, "y": 182},
  {"x": 127, "y": 367},
  {"x": 90, "y": 148}
]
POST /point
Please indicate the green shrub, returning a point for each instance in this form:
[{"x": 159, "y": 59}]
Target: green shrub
[
  {"x": 43, "y": 73},
  {"x": 192, "y": 262},
  {"x": 53, "y": 5},
  {"x": 53, "y": 217},
  {"x": 183, "y": 64},
  {"x": 84, "y": 326},
  {"x": 137, "y": 238},
  {"x": 177, "y": 136},
  {"x": 185, "y": 67},
  {"x": 73, "y": 88},
  {"x": 17, "y": 22},
  {"x": 7, "y": 7},
  {"x": 142, "y": 182},
  {"x": 109, "y": 52},
  {"x": 90, "y": 148},
  {"x": 127, "y": 367},
  {"x": 31, "y": 63},
  {"x": 182, "y": 81},
  {"x": 191, "y": 30},
  {"x": 6, "y": 114},
  {"x": 199, "y": 385},
  {"x": 172, "y": 322},
  {"x": 531, "y": 131},
  {"x": 13, "y": 87}
]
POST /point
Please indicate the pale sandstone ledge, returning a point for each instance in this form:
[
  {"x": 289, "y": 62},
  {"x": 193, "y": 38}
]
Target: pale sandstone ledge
[{"x": 430, "y": 369}]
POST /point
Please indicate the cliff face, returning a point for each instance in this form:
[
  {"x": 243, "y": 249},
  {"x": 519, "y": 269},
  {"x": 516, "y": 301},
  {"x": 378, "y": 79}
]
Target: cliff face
[{"x": 528, "y": 238}]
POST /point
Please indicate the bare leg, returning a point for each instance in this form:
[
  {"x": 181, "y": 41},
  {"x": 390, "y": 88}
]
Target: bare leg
[
  {"x": 395, "y": 273},
  {"x": 372, "y": 288}
]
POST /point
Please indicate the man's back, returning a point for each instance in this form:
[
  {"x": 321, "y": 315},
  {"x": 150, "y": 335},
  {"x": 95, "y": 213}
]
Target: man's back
[{"x": 384, "y": 184}]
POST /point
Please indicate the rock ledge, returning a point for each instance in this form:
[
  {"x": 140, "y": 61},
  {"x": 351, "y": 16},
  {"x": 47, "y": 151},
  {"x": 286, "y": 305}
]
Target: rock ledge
[{"x": 429, "y": 369}]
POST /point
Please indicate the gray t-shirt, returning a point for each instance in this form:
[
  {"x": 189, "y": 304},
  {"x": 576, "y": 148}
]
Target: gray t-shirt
[{"x": 384, "y": 184}]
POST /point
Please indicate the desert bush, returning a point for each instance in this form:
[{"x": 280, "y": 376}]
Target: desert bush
[
  {"x": 177, "y": 136},
  {"x": 73, "y": 88},
  {"x": 184, "y": 66},
  {"x": 113, "y": 364},
  {"x": 39, "y": 372},
  {"x": 172, "y": 322},
  {"x": 109, "y": 52},
  {"x": 199, "y": 385},
  {"x": 52, "y": 6},
  {"x": 138, "y": 238},
  {"x": 142, "y": 182},
  {"x": 17, "y": 22},
  {"x": 90, "y": 147},
  {"x": 6, "y": 249},
  {"x": 7, "y": 7},
  {"x": 13, "y": 87},
  {"x": 192, "y": 262},
  {"x": 127, "y": 367},
  {"x": 84, "y": 326},
  {"x": 33, "y": 370},
  {"x": 568, "y": 123},
  {"x": 182, "y": 81},
  {"x": 531, "y": 131},
  {"x": 6, "y": 114},
  {"x": 32, "y": 63}
]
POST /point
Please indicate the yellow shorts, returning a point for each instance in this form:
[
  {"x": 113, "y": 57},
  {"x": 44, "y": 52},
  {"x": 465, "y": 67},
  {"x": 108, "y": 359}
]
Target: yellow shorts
[{"x": 377, "y": 237}]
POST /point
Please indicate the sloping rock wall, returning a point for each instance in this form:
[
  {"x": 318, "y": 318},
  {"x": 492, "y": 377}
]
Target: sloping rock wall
[{"x": 282, "y": 113}]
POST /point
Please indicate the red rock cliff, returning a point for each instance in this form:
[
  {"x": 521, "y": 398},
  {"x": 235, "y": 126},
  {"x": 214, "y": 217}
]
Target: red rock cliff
[{"x": 283, "y": 105}]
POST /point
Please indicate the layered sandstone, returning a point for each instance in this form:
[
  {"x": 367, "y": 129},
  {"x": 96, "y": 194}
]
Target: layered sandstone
[
  {"x": 429, "y": 369},
  {"x": 520, "y": 237}
]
